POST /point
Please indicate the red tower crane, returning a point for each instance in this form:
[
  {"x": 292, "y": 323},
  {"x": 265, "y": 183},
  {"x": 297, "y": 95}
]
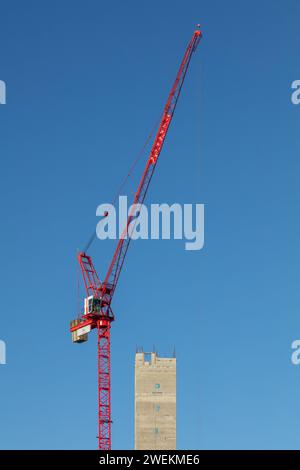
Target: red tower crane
[{"x": 99, "y": 294}]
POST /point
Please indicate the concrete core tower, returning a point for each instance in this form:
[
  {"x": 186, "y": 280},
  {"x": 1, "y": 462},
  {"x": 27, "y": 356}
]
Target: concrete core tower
[{"x": 155, "y": 402}]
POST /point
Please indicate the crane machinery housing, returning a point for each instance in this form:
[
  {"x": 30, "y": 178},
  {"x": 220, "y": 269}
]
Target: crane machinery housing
[{"x": 97, "y": 313}]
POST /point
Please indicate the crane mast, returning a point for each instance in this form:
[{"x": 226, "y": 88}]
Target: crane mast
[{"x": 97, "y": 304}]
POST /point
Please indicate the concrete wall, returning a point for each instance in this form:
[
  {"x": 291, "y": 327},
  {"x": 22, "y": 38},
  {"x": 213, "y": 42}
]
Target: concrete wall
[{"x": 155, "y": 402}]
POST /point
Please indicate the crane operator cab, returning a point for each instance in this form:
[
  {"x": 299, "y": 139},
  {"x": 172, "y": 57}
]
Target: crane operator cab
[{"x": 92, "y": 305}]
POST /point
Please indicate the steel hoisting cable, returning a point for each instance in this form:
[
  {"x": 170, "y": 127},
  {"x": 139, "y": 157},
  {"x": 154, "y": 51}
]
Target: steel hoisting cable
[{"x": 136, "y": 160}]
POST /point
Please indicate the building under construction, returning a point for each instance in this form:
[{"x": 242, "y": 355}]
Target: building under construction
[{"x": 155, "y": 402}]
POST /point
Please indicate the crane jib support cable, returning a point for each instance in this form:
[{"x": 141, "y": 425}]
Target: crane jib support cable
[{"x": 98, "y": 314}]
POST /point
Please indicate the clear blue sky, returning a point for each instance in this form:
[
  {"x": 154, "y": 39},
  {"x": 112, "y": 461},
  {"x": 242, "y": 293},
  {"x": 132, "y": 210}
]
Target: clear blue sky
[{"x": 85, "y": 82}]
